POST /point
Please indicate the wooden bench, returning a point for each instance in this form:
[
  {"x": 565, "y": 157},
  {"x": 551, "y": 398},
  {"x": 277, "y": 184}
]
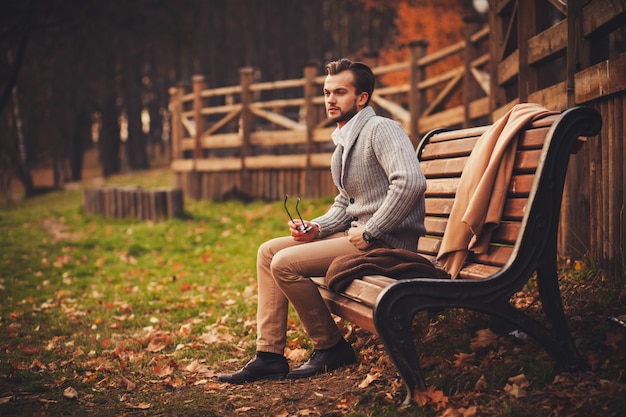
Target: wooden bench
[{"x": 524, "y": 244}]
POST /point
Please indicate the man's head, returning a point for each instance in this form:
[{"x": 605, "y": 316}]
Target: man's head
[{"x": 347, "y": 90}]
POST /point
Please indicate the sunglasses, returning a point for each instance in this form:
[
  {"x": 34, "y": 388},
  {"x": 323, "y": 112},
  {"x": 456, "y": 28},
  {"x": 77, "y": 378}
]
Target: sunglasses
[{"x": 302, "y": 227}]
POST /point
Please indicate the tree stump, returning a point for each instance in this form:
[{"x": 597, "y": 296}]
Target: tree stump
[{"x": 134, "y": 202}]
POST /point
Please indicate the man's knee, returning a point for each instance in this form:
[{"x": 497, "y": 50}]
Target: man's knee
[{"x": 282, "y": 266}]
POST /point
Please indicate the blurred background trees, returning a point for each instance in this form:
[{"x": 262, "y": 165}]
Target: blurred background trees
[{"x": 75, "y": 74}]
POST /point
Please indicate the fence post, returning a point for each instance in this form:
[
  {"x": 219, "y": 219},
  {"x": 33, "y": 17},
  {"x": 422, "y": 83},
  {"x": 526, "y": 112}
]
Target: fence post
[
  {"x": 246, "y": 77},
  {"x": 310, "y": 119},
  {"x": 417, "y": 74},
  {"x": 176, "y": 124},
  {"x": 497, "y": 94},
  {"x": 471, "y": 24},
  {"x": 198, "y": 86},
  {"x": 572, "y": 233},
  {"x": 526, "y": 28}
]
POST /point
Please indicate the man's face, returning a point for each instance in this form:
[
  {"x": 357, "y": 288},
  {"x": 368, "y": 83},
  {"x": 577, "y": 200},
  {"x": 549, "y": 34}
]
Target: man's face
[{"x": 342, "y": 101}]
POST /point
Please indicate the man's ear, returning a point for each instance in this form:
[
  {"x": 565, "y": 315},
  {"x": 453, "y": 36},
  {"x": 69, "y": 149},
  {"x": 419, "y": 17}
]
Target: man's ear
[{"x": 362, "y": 99}]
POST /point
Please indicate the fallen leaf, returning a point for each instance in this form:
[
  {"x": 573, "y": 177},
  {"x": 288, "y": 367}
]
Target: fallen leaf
[
  {"x": 244, "y": 409},
  {"x": 460, "y": 412},
  {"x": 485, "y": 338},
  {"x": 70, "y": 393},
  {"x": 140, "y": 406},
  {"x": 464, "y": 359},
  {"x": 371, "y": 377},
  {"x": 520, "y": 380},
  {"x": 281, "y": 413},
  {"x": 514, "y": 390},
  {"x": 296, "y": 355},
  {"x": 128, "y": 384},
  {"x": 162, "y": 371},
  {"x": 430, "y": 396},
  {"x": 348, "y": 401},
  {"x": 158, "y": 341},
  {"x": 481, "y": 384},
  {"x": 185, "y": 329},
  {"x": 174, "y": 383}
]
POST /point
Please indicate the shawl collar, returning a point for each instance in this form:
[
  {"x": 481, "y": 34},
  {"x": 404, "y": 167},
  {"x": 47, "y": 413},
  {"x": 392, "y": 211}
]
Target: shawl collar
[{"x": 337, "y": 165}]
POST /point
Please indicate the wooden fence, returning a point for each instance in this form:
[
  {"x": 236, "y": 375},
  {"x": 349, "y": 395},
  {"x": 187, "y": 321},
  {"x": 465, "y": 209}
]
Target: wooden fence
[
  {"x": 261, "y": 140},
  {"x": 562, "y": 54}
]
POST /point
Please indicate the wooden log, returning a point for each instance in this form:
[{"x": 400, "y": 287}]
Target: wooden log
[
  {"x": 146, "y": 213},
  {"x": 175, "y": 202},
  {"x": 108, "y": 201},
  {"x": 134, "y": 202}
]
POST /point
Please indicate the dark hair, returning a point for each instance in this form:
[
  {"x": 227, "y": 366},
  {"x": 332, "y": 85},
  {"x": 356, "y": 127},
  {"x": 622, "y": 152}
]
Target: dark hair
[{"x": 364, "y": 80}]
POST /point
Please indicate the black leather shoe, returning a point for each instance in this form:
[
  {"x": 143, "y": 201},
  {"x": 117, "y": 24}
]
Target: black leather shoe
[
  {"x": 258, "y": 368},
  {"x": 326, "y": 360}
]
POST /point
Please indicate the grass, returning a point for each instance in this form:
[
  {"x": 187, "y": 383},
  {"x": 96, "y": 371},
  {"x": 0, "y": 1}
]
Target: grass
[{"x": 137, "y": 318}]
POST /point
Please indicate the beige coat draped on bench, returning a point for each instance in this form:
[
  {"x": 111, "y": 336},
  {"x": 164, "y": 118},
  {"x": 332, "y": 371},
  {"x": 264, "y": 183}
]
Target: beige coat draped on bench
[{"x": 483, "y": 187}]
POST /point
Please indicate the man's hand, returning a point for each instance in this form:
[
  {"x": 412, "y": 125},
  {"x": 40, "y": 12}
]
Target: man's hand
[
  {"x": 303, "y": 232},
  {"x": 355, "y": 236}
]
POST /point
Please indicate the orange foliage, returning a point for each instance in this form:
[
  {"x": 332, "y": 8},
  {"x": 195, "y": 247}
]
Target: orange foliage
[{"x": 439, "y": 22}]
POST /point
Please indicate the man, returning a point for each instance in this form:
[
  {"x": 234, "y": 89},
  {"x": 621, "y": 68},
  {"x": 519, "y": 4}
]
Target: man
[{"x": 380, "y": 204}]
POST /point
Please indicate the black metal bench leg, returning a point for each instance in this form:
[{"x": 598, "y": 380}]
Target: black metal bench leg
[
  {"x": 550, "y": 293},
  {"x": 393, "y": 318}
]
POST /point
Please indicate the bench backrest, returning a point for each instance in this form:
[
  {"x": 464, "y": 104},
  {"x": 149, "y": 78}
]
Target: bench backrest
[{"x": 442, "y": 156}]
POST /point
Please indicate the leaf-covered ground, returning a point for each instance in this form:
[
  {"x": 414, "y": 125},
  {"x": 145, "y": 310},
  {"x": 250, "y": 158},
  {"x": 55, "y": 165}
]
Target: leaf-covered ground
[{"x": 115, "y": 317}]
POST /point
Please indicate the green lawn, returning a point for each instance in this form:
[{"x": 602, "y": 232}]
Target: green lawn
[{"x": 122, "y": 317}]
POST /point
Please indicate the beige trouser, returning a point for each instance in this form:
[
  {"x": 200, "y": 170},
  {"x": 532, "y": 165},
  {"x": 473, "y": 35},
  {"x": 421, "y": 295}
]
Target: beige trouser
[{"x": 283, "y": 270}]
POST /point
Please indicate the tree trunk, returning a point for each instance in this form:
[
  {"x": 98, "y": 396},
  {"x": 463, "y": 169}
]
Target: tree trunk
[{"x": 137, "y": 157}]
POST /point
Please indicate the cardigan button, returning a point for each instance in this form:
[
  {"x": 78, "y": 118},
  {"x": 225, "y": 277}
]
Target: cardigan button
[{"x": 351, "y": 200}]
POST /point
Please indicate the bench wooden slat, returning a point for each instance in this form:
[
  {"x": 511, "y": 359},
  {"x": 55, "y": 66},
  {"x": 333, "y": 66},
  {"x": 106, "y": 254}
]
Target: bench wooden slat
[
  {"x": 378, "y": 280},
  {"x": 363, "y": 290},
  {"x": 435, "y": 225},
  {"x": 513, "y": 209},
  {"x": 533, "y": 138},
  {"x": 478, "y": 271},
  {"x": 356, "y": 312},
  {"x": 428, "y": 245},
  {"x": 527, "y": 161},
  {"x": 441, "y": 187},
  {"x": 443, "y": 147},
  {"x": 450, "y": 167},
  {"x": 497, "y": 256},
  {"x": 506, "y": 233},
  {"x": 479, "y": 130},
  {"x": 441, "y": 150},
  {"x": 472, "y": 132}
]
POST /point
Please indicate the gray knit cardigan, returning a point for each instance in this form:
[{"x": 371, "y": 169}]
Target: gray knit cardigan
[{"x": 381, "y": 184}]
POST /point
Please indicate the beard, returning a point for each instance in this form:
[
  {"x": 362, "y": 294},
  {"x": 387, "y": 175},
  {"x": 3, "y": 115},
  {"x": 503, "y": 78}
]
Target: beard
[{"x": 344, "y": 116}]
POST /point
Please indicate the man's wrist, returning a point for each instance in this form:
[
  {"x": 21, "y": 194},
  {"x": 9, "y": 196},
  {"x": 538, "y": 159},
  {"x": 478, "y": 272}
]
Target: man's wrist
[{"x": 319, "y": 229}]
